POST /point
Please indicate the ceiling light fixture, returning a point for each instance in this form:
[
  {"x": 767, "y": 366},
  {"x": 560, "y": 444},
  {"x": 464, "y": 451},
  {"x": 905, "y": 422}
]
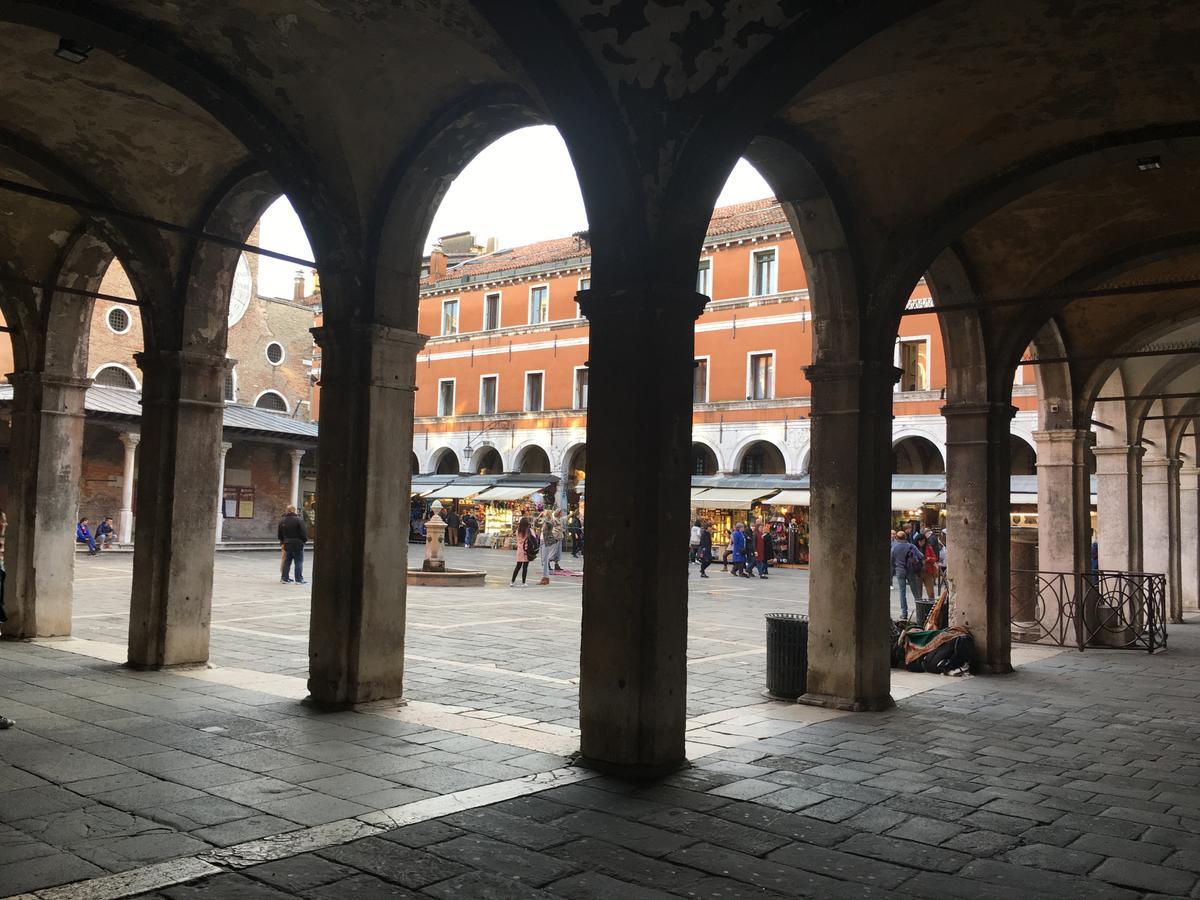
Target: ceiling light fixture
[
  {"x": 72, "y": 51},
  {"x": 1149, "y": 163}
]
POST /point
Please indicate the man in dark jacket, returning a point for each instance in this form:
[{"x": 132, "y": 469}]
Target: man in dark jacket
[{"x": 292, "y": 538}]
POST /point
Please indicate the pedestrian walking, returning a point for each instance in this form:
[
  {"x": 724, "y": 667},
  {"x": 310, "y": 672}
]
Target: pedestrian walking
[
  {"x": 750, "y": 569},
  {"x": 452, "y": 522},
  {"x": 704, "y": 551},
  {"x": 545, "y": 526},
  {"x": 560, "y": 538},
  {"x": 929, "y": 564},
  {"x": 83, "y": 535},
  {"x": 737, "y": 542},
  {"x": 694, "y": 541},
  {"x": 526, "y": 550},
  {"x": 292, "y": 538},
  {"x": 471, "y": 527},
  {"x": 765, "y": 546},
  {"x": 906, "y": 565},
  {"x": 575, "y": 528}
]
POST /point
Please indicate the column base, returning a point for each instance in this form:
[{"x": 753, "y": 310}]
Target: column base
[
  {"x": 362, "y": 695},
  {"x": 848, "y": 704},
  {"x": 991, "y": 668},
  {"x": 630, "y": 771},
  {"x": 173, "y": 667}
]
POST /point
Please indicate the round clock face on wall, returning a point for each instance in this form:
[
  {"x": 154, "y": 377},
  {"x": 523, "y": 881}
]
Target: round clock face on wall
[{"x": 239, "y": 297}]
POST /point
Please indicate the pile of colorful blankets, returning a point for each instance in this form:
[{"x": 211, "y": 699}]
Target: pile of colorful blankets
[{"x": 927, "y": 648}]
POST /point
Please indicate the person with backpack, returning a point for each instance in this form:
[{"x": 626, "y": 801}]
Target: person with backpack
[
  {"x": 906, "y": 564},
  {"x": 694, "y": 542},
  {"x": 527, "y": 549}
]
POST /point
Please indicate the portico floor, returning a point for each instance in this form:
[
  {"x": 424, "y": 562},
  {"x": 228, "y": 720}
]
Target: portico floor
[{"x": 1077, "y": 776}]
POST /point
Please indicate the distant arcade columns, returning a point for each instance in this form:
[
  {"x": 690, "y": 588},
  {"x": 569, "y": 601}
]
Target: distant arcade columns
[
  {"x": 1118, "y": 505},
  {"x": 1064, "y": 501},
  {"x": 1160, "y": 526},
  {"x": 849, "y": 520},
  {"x": 226, "y": 446},
  {"x": 1189, "y": 538},
  {"x": 296, "y": 455},
  {"x": 44, "y": 473},
  {"x": 178, "y": 469},
  {"x": 129, "y": 440},
  {"x": 633, "y": 660},
  {"x": 356, "y": 636},
  {"x": 977, "y": 526}
]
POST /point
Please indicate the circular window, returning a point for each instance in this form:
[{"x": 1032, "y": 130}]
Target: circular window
[
  {"x": 118, "y": 320},
  {"x": 274, "y": 353}
]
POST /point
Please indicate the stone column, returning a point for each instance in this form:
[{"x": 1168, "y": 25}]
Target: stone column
[
  {"x": 633, "y": 659},
  {"x": 1064, "y": 500},
  {"x": 296, "y": 455},
  {"x": 356, "y": 638},
  {"x": 178, "y": 468},
  {"x": 1156, "y": 516},
  {"x": 1189, "y": 538},
  {"x": 977, "y": 527},
  {"x": 848, "y": 664},
  {"x": 1118, "y": 524},
  {"x": 129, "y": 440},
  {"x": 226, "y": 446},
  {"x": 1175, "y": 562},
  {"x": 45, "y": 464}
]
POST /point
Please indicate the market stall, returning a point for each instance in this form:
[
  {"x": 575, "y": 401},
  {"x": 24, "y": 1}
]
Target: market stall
[
  {"x": 786, "y": 514},
  {"x": 725, "y": 507}
]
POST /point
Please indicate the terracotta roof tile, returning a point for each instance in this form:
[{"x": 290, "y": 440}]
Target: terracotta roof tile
[{"x": 725, "y": 220}]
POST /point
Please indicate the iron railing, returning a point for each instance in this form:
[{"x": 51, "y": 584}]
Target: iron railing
[{"x": 1105, "y": 609}]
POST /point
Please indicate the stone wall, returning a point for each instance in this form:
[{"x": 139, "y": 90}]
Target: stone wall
[{"x": 266, "y": 468}]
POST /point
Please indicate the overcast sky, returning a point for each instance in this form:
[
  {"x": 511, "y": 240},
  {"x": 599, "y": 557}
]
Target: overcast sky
[{"x": 520, "y": 189}]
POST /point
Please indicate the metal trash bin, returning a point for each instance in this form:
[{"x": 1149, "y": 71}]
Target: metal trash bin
[{"x": 787, "y": 655}]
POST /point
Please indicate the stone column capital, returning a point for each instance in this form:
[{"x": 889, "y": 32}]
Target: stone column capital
[
  {"x": 297, "y": 454},
  {"x": 130, "y": 439},
  {"x": 389, "y": 353},
  {"x": 857, "y": 371},
  {"x": 623, "y": 302},
  {"x": 1129, "y": 450},
  {"x": 226, "y": 446},
  {"x": 1061, "y": 435},
  {"x": 965, "y": 408}
]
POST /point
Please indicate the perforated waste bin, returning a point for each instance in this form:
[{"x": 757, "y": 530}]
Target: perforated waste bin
[{"x": 787, "y": 655}]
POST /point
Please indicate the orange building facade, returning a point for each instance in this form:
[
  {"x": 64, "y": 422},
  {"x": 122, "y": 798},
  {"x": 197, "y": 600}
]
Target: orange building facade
[{"x": 502, "y": 381}]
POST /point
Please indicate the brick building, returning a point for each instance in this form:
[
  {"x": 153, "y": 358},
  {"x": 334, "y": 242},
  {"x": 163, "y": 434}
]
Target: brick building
[
  {"x": 503, "y": 379},
  {"x": 270, "y": 430}
]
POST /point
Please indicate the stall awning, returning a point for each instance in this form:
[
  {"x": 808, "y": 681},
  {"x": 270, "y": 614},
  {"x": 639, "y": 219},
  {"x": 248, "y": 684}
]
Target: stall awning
[
  {"x": 508, "y": 493},
  {"x": 456, "y": 491},
  {"x": 728, "y": 498},
  {"x": 424, "y": 489},
  {"x": 791, "y": 498},
  {"x": 1018, "y": 498},
  {"x": 912, "y": 499}
]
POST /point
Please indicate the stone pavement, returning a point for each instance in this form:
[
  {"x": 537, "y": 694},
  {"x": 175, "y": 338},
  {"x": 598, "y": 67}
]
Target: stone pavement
[{"x": 1080, "y": 774}]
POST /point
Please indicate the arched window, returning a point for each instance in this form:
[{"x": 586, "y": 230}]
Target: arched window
[
  {"x": 271, "y": 400},
  {"x": 115, "y": 377}
]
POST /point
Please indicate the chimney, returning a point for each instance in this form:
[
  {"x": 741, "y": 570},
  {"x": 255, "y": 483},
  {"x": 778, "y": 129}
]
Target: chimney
[
  {"x": 437, "y": 262},
  {"x": 298, "y": 291}
]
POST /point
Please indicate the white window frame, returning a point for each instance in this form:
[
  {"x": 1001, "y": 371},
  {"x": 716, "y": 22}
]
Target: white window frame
[
  {"x": 774, "y": 286},
  {"x": 707, "y": 359},
  {"x": 579, "y": 287},
  {"x": 529, "y": 304},
  {"x": 482, "y": 378},
  {"x": 453, "y": 396},
  {"x": 711, "y": 266},
  {"x": 233, "y": 378},
  {"x": 499, "y": 295},
  {"x": 750, "y": 373},
  {"x": 457, "y": 315},
  {"x": 525, "y": 391},
  {"x": 128, "y": 318},
  {"x": 575, "y": 404},
  {"x": 137, "y": 386},
  {"x": 287, "y": 407},
  {"x": 913, "y": 339},
  {"x": 267, "y": 354}
]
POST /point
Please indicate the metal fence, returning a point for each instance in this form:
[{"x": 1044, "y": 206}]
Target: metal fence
[{"x": 1118, "y": 610}]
